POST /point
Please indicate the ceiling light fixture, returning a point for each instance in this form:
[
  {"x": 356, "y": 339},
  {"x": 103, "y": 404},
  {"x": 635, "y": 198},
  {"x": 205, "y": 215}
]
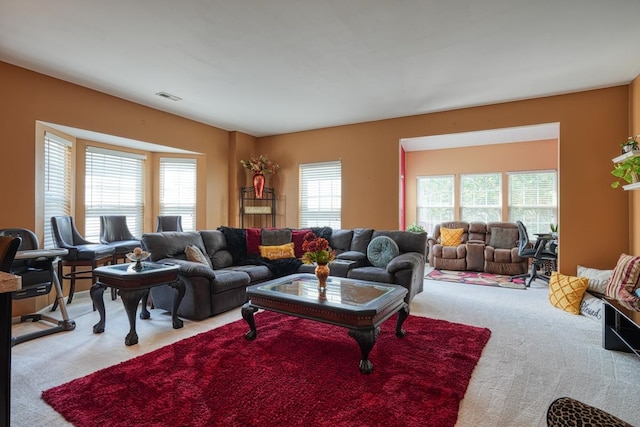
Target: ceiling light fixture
[{"x": 169, "y": 96}]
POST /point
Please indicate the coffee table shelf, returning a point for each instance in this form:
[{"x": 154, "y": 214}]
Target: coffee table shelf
[{"x": 620, "y": 328}]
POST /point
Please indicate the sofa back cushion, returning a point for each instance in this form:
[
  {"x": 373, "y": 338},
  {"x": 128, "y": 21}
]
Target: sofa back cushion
[
  {"x": 276, "y": 236},
  {"x": 477, "y": 231},
  {"x": 216, "y": 246},
  {"x": 451, "y": 225},
  {"x": 407, "y": 241},
  {"x": 341, "y": 240},
  {"x": 171, "y": 244},
  {"x": 361, "y": 239}
]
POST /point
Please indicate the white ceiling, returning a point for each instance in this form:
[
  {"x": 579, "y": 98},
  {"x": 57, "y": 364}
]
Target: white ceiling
[{"x": 278, "y": 66}]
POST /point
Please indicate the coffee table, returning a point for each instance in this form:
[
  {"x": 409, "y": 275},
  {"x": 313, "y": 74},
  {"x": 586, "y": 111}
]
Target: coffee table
[
  {"x": 133, "y": 285},
  {"x": 357, "y": 305}
]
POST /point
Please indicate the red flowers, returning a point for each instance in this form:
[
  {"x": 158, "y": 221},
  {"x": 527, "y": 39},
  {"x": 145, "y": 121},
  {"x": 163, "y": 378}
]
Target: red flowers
[{"x": 317, "y": 250}]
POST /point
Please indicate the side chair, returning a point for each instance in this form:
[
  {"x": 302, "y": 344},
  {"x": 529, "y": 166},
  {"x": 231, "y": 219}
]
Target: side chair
[
  {"x": 169, "y": 223},
  {"x": 82, "y": 253},
  {"x": 115, "y": 233}
]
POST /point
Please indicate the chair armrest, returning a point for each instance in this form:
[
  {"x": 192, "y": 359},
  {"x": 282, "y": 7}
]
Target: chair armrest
[
  {"x": 405, "y": 261},
  {"x": 191, "y": 268},
  {"x": 476, "y": 242}
]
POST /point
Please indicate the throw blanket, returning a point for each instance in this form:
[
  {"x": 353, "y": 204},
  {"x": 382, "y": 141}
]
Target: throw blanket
[{"x": 237, "y": 246}]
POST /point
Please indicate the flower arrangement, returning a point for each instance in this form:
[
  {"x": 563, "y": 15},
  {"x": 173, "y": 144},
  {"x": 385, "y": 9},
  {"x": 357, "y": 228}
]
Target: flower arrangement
[
  {"x": 260, "y": 164},
  {"x": 316, "y": 250}
]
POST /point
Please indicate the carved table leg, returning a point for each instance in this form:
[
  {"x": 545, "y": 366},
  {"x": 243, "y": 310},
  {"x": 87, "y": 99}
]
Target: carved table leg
[
  {"x": 403, "y": 313},
  {"x": 247, "y": 315},
  {"x": 131, "y": 299},
  {"x": 96, "y": 292},
  {"x": 180, "y": 290},
  {"x": 366, "y": 339},
  {"x": 144, "y": 312}
]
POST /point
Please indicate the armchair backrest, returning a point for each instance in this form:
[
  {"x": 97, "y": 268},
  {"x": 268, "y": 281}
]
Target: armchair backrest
[
  {"x": 65, "y": 234},
  {"x": 169, "y": 223},
  {"x": 435, "y": 238},
  {"x": 113, "y": 228}
]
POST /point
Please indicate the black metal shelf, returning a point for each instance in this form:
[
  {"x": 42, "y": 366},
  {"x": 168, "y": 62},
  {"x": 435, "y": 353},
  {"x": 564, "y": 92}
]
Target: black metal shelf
[{"x": 255, "y": 212}]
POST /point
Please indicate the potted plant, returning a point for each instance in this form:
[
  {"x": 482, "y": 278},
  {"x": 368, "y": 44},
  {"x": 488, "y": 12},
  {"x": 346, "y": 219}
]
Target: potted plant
[
  {"x": 628, "y": 171},
  {"x": 416, "y": 228},
  {"x": 630, "y": 144}
]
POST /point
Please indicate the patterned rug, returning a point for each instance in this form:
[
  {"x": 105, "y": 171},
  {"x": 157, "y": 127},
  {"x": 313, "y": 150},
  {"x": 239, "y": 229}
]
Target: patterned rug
[{"x": 475, "y": 278}]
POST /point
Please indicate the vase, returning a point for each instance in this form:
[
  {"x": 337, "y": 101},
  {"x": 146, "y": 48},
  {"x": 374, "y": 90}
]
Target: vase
[
  {"x": 258, "y": 184},
  {"x": 322, "y": 272}
]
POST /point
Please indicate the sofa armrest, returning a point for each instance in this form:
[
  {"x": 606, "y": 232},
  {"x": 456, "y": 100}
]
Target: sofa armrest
[
  {"x": 405, "y": 261},
  {"x": 190, "y": 268},
  {"x": 352, "y": 256}
]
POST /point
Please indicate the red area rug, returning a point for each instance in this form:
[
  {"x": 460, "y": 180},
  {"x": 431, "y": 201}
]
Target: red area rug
[
  {"x": 475, "y": 278},
  {"x": 296, "y": 373}
]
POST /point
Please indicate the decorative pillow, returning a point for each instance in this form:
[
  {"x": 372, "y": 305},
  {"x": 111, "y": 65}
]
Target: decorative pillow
[
  {"x": 597, "y": 278},
  {"x": 566, "y": 292},
  {"x": 503, "y": 238},
  {"x": 297, "y": 237},
  {"x": 277, "y": 252},
  {"x": 276, "y": 236},
  {"x": 451, "y": 236},
  {"x": 624, "y": 281},
  {"x": 591, "y": 307},
  {"x": 381, "y": 251},
  {"x": 195, "y": 254},
  {"x": 254, "y": 239}
]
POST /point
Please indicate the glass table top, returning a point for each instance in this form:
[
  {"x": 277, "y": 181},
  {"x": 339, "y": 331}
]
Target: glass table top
[{"x": 339, "y": 291}]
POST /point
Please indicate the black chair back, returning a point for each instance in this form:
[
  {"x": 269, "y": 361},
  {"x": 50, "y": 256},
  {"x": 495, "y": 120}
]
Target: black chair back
[
  {"x": 169, "y": 223},
  {"x": 8, "y": 248},
  {"x": 113, "y": 228},
  {"x": 523, "y": 240}
]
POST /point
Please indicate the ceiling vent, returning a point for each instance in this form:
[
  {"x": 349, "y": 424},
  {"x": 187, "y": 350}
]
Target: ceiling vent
[{"x": 168, "y": 96}]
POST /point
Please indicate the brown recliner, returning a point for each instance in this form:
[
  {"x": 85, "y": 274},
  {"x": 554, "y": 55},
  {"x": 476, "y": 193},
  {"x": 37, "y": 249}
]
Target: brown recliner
[{"x": 448, "y": 257}]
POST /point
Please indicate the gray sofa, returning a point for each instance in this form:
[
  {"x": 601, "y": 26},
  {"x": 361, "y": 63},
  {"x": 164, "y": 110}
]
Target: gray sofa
[{"x": 213, "y": 290}]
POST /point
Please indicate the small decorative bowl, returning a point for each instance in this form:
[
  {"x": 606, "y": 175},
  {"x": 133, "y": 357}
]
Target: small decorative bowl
[{"x": 138, "y": 257}]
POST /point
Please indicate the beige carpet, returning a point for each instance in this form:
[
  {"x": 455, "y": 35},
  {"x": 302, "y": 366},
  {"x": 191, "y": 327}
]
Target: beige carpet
[{"x": 536, "y": 353}]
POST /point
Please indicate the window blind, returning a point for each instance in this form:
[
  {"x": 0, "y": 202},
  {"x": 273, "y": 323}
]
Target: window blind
[
  {"x": 435, "y": 202},
  {"x": 481, "y": 197},
  {"x": 114, "y": 185},
  {"x": 320, "y": 194},
  {"x": 57, "y": 182},
  {"x": 178, "y": 189},
  {"x": 533, "y": 199}
]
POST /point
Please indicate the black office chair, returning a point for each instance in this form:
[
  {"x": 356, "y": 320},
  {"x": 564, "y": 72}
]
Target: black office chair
[
  {"x": 37, "y": 279},
  {"x": 169, "y": 223},
  {"x": 115, "y": 232},
  {"x": 81, "y": 253},
  {"x": 539, "y": 254}
]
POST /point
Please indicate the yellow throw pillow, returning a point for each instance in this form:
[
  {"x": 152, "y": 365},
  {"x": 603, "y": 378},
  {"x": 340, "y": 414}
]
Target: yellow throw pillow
[
  {"x": 196, "y": 255},
  {"x": 566, "y": 292},
  {"x": 277, "y": 252},
  {"x": 451, "y": 236}
]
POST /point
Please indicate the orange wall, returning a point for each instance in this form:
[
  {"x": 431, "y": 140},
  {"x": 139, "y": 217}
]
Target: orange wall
[
  {"x": 523, "y": 156},
  {"x": 592, "y": 216},
  {"x": 594, "y": 219},
  {"x": 634, "y": 129}
]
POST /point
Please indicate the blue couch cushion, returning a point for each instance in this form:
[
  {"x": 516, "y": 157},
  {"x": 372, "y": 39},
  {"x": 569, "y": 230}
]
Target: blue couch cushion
[{"x": 381, "y": 251}]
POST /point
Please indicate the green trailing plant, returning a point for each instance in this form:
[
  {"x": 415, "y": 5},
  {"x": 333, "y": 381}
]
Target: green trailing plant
[
  {"x": 416, "y": 228},
  {"x": 628, "y": 171},
  {"x": 630, "y": 144},
  {"x": 554, "y": 228}
]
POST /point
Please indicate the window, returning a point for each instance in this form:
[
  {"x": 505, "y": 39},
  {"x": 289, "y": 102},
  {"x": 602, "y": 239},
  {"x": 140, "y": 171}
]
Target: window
[
  {"x": 178, "y": 189},
  {"x": 320, "y": 194},
  {"x": 114, "y": 185},
  {"x": 481, "y": 197},
  {"x": 435, "y": 200},
  {"x": 57, "y": 182},
  {"x": 533, "y": 199}
]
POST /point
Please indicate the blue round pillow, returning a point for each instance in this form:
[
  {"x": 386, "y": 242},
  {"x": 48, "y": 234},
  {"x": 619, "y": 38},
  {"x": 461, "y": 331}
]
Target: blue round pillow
[{"x": 381, "y": 251}]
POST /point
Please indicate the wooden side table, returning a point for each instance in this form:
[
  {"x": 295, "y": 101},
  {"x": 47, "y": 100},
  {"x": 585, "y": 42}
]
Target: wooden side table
[{"x": 133, "y": 286}]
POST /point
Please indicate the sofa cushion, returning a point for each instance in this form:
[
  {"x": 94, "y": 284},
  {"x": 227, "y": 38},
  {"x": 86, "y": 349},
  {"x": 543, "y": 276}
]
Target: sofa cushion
[
  {"x": 451, "y": 236},
  {"x": 381, "y": 251},
  {"x": 624, "y": 281},
  {"x": 566, "y": 292},
  {"x": 236, "y": 242},
  {"x": 361, "y": 239},
  {"x": 277, "y": 252},
  {"x": 373, "y": 274},
  {"x": 341, "y": 240},
  {"x": 591, "y": 307},
  {"x": 597, "y": 278},
  {"x": 195, "y": 254},
  {"x": 276, "y": 236},
  {"x": 253, "y": 239},
  {"x": 503, "y": 238},
  {"x": 221, "y": 259}
]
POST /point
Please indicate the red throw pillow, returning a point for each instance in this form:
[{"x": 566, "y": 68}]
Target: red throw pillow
[
  {"x": 297, "y": 237},
  {"x": 254, "y": 239}
]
